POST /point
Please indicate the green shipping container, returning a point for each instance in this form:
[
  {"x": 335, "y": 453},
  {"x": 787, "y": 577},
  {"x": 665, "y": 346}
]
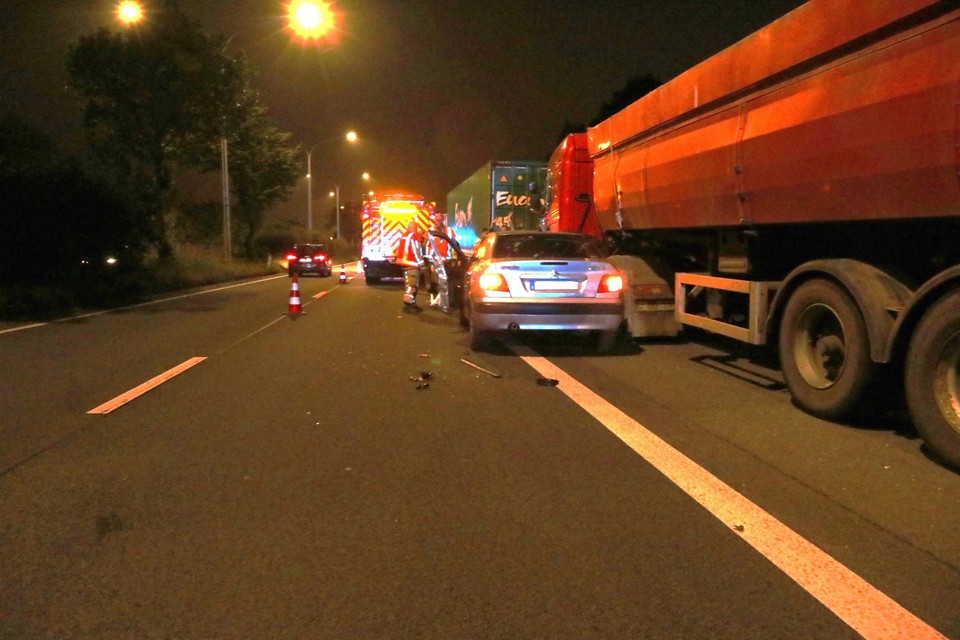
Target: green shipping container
[{"x": 496, "y": 196}]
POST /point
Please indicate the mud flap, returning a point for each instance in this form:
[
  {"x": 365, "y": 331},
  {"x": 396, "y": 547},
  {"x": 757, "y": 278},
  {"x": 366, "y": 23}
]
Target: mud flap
[{"x": 646, "y": 318}]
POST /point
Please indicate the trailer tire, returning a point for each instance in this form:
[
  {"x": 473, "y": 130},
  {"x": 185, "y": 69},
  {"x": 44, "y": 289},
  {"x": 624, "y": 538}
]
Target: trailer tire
[
  {"x": 825, "y": 350},
  {"x": 372, "y": 279},
  {"x": 932, "y": 378}
]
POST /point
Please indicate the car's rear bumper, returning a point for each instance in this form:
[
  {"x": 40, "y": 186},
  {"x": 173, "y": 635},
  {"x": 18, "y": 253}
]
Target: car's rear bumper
[
  {"x": 311, "y": 268},
  {"x": 587, "y": 315}
]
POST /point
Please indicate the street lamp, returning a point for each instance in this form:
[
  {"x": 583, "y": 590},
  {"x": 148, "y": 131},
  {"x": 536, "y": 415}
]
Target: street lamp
[
  {"x": 129, "y": 12},
  {"x": 336, "y": 193},
  {"x": 311, "y": 20},
  {"x": 352, "y": 138}
]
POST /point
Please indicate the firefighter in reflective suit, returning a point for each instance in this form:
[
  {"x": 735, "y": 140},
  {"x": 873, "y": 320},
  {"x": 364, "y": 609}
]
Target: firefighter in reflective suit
[
  {"x": 439, "y": 253},
  {"x": 410, "y": 257}
]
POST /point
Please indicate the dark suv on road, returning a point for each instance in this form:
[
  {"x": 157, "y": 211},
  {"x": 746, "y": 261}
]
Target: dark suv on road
[{"x": 309, "y": 258}]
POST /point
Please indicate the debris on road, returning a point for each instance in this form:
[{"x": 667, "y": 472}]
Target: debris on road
[
  {"x": 478, "y": 367},
  {"x": 547, "y": 382},
  {"x": 423, "y": 385},
  {"x": 424, "y": 375},
  {"x": 739, "y": 527}
]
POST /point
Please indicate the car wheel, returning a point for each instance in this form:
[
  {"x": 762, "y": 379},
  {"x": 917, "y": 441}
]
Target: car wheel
[
  {"x": 478, "y": 338},
  {"x": 607, "y": 340}
]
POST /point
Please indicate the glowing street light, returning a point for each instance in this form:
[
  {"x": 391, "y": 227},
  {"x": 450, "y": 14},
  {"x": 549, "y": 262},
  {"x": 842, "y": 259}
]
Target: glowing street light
[
  {"x": 129, "y": 12},
  {"x": 311, "y": 20}
]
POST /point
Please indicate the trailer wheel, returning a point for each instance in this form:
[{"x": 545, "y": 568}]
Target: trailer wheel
[
  {"x": 932, "y": 378},
  {"x": 372, "y": 279},
  {"x": 824, "y": 350}
]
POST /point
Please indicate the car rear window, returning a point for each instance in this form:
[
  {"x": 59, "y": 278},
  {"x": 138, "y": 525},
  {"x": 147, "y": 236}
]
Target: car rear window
[{"x": 541, "y": 246}]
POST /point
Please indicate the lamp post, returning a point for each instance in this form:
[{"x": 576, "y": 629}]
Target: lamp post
[
  {"x": 310, "y": 191},
  {"x": 336, "y": 192},
  {"x": 352, "y": 138},
  {"x": 225, "y": 182},
  {"x": 225, "y": 173}
]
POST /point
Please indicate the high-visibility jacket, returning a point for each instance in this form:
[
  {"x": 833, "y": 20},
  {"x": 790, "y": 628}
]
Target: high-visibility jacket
[
  {"x": 443, "y": 247},
  {"x": 409, "y": 252}
]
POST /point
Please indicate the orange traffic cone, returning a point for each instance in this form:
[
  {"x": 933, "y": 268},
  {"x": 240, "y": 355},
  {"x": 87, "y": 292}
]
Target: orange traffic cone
[
  {"x": 294, "y": 307},
  {"x": 343, "y": 275}
]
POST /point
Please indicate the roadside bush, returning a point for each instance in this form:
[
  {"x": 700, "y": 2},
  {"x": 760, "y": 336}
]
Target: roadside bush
[
  {"x": 34, "y": 303},
  {"x": 274, "y": 243},
  {"x": 196, "y": 266}
]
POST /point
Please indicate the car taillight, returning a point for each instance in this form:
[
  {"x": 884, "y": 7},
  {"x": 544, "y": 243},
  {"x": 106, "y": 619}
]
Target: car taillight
[
  {"x": 291, "y": 256},
  {"x": 320, "y": 257},
  {"x": 493, "y": 282},
  {"x": 611, "y": 283}
]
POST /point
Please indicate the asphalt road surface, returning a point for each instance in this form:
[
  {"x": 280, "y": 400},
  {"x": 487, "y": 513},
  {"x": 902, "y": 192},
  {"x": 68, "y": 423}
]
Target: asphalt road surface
[{"x": 288, "y": 479}]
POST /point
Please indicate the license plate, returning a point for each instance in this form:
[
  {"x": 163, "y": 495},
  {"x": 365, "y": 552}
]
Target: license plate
[
  {"x": 654, "y": 307},
  {"x": 556, "y": 285}
]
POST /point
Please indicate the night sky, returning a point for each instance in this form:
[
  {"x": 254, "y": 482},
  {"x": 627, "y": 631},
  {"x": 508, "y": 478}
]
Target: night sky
[{"x": 435, "y": 88}]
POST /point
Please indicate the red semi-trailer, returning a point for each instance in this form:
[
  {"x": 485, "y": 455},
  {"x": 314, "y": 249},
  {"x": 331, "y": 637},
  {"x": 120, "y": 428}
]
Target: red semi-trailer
[{"x": 801, "y": 188}]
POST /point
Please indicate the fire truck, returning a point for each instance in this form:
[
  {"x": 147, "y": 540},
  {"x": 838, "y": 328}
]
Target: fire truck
[{"x": 385, "y": 217}]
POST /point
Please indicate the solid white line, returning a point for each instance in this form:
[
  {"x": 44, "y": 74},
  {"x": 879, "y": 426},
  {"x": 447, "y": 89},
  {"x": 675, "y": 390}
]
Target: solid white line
[
  {"x": 26, "y": 326},
  {"x": 871, "y": 613},
  {"x": 142, "y": 304},
  {"x": 138, "y": 391}
]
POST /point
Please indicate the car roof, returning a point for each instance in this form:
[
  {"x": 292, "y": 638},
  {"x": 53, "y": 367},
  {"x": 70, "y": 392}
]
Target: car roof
[
  {"x": 537, "y": 232},
  {"x": 534, "y": 233}
]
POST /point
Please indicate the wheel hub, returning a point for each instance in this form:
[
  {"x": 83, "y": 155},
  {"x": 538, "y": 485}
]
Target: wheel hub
[
  {"x": 947, "y": 381},
  {"x": 820, "y": 346}
]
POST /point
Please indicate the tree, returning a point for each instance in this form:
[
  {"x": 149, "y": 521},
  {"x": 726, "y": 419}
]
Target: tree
[
  {"x": 635, "y": 88},
  {"x": 570, "y": 127},
  {"x": 153, "y": 93},
  {"x": 263, "y": 170},
  {"x": 263, "y": 166},
  {"x": 58, "y": 223}
]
